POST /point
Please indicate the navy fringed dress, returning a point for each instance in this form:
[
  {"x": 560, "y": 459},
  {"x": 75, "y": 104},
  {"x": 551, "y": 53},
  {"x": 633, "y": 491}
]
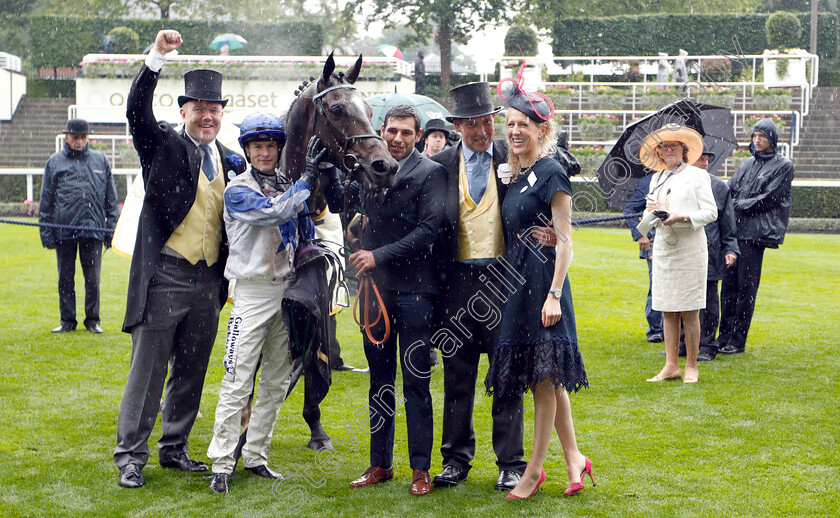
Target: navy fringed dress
[{"x": 527, "y": 352}]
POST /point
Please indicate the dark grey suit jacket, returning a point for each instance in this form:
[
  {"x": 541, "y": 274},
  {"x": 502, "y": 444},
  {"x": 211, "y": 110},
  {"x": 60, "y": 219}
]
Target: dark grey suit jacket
[
  {"x": 171, "y": 164},
  {"x": 402, "y": 226}
]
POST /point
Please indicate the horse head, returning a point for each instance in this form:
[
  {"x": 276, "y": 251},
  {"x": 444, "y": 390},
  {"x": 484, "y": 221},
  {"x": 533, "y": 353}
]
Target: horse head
[{"x": 332, "y": 108}]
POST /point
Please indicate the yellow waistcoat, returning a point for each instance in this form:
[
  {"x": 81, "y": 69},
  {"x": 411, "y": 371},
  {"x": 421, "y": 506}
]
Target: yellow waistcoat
[
  {"x": 480, "y": 233},
  {"x": 200, "y": 234}
]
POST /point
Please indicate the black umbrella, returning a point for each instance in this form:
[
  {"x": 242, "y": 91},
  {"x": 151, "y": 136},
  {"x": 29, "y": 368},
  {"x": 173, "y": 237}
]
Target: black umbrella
[{"x": 622, "y": 162}]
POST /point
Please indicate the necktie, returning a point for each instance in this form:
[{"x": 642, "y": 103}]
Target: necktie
[
  {"x": 207, "y": 164},
  {"x": 478, "y": 177}
]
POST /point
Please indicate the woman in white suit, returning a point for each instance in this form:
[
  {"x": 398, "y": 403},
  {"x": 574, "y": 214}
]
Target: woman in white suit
[{"x": 680, "y": 255}]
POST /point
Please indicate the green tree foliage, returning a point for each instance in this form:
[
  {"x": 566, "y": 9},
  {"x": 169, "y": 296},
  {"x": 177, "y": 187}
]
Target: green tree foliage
[
  {"x": 521, "y": 40},
  {"x": 544, "y": 13},
  {"x": 455, "y": 21},
  {"x": 783, "y": 30},
  {"x": 126, "y": 40},
  {"x": 162, "y": 9}
]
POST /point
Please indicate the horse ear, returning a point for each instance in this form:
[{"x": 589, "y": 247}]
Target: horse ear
[
  {"x": 353, "y": 73},
  {"x": 329, "y": 67}
]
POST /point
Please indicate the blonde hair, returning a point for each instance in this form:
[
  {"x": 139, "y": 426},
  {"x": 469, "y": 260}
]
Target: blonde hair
[{"x": 548, "y": 146}]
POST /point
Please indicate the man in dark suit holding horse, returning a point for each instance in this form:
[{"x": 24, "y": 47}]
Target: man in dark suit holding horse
[
  {"x": 470, "y": 241},
  {"x": 396, "y": 252},
  {"x": 176, "y": 288}
]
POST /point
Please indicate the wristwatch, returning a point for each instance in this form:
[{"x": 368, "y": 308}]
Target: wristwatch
[{"x": 556, "y": 293}]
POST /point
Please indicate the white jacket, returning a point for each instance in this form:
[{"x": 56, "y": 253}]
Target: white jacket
[{"x": 689, "y": 193}]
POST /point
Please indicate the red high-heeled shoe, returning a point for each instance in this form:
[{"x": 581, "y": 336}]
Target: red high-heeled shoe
[
  {"x": 578, "y": 486},
  {"x": 511, "y": 496}
]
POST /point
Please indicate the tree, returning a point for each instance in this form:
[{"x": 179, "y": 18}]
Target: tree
[
  {"x": 521, "y": 38},
  {"x": 163, "y": 9},
  {"x": 455, "y": 20}
]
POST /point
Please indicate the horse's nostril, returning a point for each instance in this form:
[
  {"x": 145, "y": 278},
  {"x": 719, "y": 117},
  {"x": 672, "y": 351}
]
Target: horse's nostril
[{"x": 380, "y": 167}]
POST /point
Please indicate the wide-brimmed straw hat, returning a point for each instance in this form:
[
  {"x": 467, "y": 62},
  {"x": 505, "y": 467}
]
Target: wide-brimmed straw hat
[{"x": 670, "y": 132}]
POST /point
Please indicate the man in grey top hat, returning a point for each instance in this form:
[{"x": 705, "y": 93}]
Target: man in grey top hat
[
  {"x": 78, "y": 190},
  {"x": 175, "y": 287}
]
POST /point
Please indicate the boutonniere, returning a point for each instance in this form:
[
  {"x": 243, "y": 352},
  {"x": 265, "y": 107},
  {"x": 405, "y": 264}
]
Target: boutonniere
[
  {"x": 504, "y": 174},
  {"x": 235, "y": 162}
]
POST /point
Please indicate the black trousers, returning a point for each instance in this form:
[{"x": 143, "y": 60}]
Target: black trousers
[
  {"x": 738, "y": 292},
  {"x": 709, "y": 319},
  {"x": 90, "y": 257},
  {"x": 179, "y": 327},
  {"x": 411, "y": 325},
  {"x": 460, "y": 372}
]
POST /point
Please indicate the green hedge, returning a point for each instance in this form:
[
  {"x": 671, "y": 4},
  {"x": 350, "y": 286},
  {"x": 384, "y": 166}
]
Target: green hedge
[
  {"x": 697, "y": 33},
  {"x": 62, "y": 41}
]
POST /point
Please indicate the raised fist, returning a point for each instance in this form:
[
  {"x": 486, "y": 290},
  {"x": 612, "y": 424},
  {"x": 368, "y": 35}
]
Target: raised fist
[{"x": 167, "y": 40}]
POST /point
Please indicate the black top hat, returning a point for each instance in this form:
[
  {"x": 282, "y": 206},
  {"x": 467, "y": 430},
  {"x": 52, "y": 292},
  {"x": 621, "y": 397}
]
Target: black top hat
[
  {"x": 472, "y": 100},
  {"x": 533, "y": 106},
  {"x": 202, "y": 85},
  {"x": 435, "y": 125},
  {"x": 77, "y": 127}
]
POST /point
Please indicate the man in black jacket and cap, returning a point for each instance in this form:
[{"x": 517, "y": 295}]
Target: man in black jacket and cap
[
  {"x": 761, "y": 197},
  {"x": 175, "y": 287},
  {"x": 723, "y": 253},
  {"x": 78, "y": 189}
]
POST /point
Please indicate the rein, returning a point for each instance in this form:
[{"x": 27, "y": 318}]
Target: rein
[{"x": 366, "y": 283}]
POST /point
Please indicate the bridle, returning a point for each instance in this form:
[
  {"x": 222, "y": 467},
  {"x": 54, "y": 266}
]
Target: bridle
[
  {"x": 349, "y": 161},
  {"x": 351, "y": 165}
]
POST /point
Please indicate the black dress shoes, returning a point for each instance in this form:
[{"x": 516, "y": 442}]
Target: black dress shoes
[
  {"x": 264, "y": 472},
  {"x": 94, "y": 328},
  {"x": 705, "y": 356},
  {"x": 731, "y": 349},
  {"x": 131, "y": 477},
  {"x": 507, "y": 480},
  {"x": 183, "y": 462},
  {"x": 450, "y": 476},
  {"x": 64, "y": 328},
  {"x": 343, "y": 367},
  {"x": 220, "y": 483},
  {"x": 655, "y": 338}
]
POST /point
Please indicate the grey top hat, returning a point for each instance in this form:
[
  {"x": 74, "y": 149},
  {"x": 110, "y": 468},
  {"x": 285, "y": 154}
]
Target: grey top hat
[
  {"x": 202, "y": 85},
  {"x": 435, "y": 125},
  {"x": 472, "y": 100},
  {"x": 77, "y": 127}
]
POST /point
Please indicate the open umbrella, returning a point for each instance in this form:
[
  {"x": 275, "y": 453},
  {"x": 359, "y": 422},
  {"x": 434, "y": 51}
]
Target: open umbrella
[
  {"x": 714, "y": 123},
  {"x": 233, "y": 41},
  {"x": 427, "y": 107},
  {"x": 390, "y": 51}
]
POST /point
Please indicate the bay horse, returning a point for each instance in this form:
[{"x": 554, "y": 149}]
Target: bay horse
[{"x": 332, "y": 109}]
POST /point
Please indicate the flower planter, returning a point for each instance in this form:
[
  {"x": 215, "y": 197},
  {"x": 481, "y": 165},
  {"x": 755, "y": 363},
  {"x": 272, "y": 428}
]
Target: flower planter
[
  {"x": 735, "y": 163},
  {"x": 595, "y": 131},
  {"x": 772, "y": 102},
  {"x": 724, "y": 100},
  {"x": 129, "y": 157},
  {"x": 561, "y": 101},
  {"x": 589, "y": 163},
  {"x": 794, "y": 75},
  {"x": 655, "y": 102},
  {"x": 606, "y": 101}
]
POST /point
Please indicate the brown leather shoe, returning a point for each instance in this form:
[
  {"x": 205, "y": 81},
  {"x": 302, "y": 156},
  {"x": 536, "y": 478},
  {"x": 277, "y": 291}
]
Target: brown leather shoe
[
  {"x": 373, "y": 475},
  {"x": 421, "y": 483}
]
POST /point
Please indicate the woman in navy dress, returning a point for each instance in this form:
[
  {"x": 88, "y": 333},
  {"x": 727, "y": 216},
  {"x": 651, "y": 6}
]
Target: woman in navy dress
[{"x": 538, "y": 348}]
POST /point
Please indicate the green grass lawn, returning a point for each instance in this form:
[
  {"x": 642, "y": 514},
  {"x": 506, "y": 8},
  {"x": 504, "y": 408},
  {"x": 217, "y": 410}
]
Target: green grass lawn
[{"x": 758, "y": 436}]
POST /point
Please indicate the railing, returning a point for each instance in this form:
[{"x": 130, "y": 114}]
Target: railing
[
  {"x": 649, "y": 66},
  {"x": 31, "y": 173}
]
